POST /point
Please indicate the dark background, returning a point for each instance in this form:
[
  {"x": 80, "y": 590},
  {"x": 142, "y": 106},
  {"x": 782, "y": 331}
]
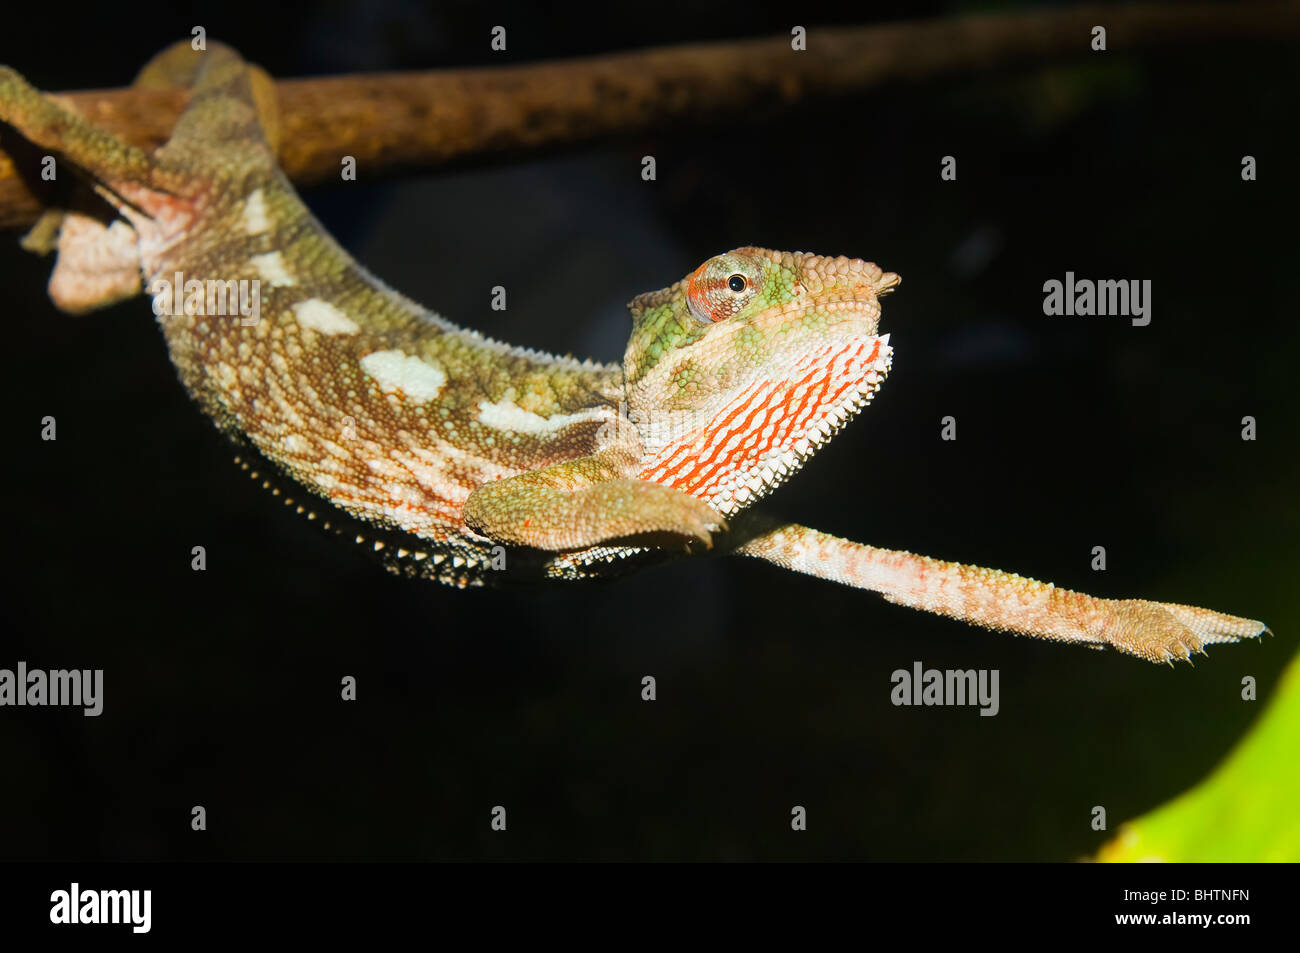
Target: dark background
[{"x": 222, "y": 687}]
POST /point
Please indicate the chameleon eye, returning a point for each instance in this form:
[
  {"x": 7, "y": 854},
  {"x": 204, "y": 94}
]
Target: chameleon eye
[{"x": 716, "y": 292}]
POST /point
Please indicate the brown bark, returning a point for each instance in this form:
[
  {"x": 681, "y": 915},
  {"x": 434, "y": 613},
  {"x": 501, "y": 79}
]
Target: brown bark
[{"x": 389, "y": 121}]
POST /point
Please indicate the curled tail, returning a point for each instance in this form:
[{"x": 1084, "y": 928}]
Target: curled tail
[{"x": 225, "y": 137}]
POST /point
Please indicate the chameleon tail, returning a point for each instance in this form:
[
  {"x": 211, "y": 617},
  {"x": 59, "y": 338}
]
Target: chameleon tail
[
  {"x": 99, "y": 261},
  {"x": 51, "y": 126},
  {"x": 231, "y": 104},
  {"x": 1155, "y": 631}
]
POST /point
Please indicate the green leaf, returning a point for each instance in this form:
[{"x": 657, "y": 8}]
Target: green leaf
[{"x": 1247, "y": 810}]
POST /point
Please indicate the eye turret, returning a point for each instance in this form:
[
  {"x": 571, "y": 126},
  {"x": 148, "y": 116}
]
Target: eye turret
[{"x": 722, "y": 287}]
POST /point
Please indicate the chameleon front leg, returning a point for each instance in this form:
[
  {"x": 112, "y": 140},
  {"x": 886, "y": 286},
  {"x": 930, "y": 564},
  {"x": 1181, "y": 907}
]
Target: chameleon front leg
[
  {"x": 585, "y": 502},
  {"x": 1156, "y": 631}
]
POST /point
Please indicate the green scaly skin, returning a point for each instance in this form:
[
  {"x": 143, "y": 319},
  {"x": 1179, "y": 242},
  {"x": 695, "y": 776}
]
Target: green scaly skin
[{"x": 471, "y": 461}]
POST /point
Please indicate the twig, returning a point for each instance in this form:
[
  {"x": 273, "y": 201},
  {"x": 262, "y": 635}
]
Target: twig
[{"x": 390, "y": 121}]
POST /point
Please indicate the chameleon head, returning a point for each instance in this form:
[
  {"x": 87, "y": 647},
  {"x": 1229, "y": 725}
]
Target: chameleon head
[{"x": 739, "y": 372}]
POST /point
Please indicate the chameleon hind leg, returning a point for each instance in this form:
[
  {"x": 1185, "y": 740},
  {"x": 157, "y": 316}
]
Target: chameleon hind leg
[
  {"x": 178, "y": 66},
  {"x": 231, "y": 103},
  {"x": 99, "y": 259},
  {"x": 98, "y": 262},
  {"x": 585, "y": 502}
]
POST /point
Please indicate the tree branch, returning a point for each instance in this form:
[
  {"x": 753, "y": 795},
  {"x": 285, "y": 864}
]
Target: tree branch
[{"x": 390, "y": 121}]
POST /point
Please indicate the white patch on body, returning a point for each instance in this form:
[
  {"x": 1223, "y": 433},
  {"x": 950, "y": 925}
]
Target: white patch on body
[
  {"x": 272, "y": 270},
  {"x": 507, "y": 416},
  {"x": 418, "y": 379},
  {"x": 324, "y": 317},
  {"x": 255, "y": 219}
]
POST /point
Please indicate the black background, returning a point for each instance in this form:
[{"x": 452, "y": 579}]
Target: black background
[{"x": 222, "y": 687}]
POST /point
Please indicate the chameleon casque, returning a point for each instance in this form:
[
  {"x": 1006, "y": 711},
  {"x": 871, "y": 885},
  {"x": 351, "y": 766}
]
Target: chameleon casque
[{"x": 456, "y": 449}]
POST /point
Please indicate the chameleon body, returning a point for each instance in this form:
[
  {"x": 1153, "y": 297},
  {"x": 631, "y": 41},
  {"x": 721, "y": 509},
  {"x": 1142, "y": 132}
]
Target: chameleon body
[{"x": 456, "y": 449}]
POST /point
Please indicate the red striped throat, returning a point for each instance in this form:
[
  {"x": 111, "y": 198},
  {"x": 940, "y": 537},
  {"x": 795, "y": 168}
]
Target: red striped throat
[
  {"x": 767, "y": 430},
  {"x": 735, "y": 375}
]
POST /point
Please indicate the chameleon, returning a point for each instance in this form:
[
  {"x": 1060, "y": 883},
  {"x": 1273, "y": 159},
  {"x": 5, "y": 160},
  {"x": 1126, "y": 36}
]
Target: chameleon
[{"x": 469, "y": 461}]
